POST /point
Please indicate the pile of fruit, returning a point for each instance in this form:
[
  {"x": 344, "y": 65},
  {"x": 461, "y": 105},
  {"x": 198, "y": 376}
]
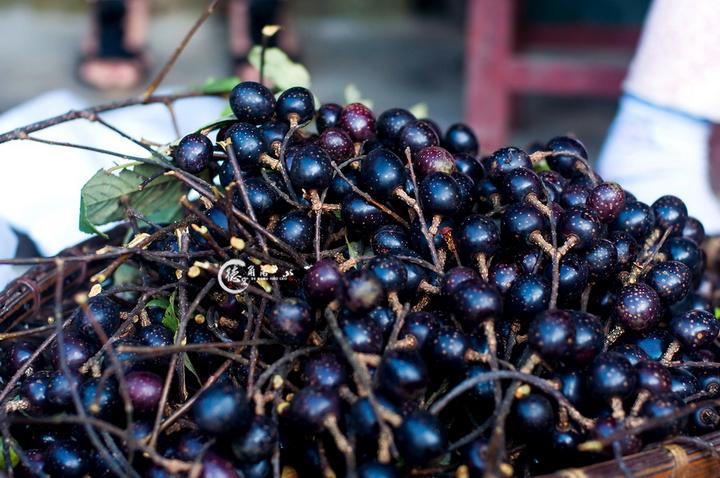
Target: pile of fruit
[{"x": 371, "y": 300}]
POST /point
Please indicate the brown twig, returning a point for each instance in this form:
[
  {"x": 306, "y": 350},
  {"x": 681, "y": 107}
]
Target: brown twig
[{"x": 173, "y": 58}]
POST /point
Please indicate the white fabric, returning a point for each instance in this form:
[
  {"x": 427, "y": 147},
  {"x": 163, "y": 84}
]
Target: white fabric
[
  {"x": 40, "y": 191},
  {"x": 8, "y": 246},
  {"x": 651, "y": 151},
  {"x": 676, "y": 64}
]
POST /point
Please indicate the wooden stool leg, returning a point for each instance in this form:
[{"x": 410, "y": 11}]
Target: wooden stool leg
[{"x": 488, "y": 51}]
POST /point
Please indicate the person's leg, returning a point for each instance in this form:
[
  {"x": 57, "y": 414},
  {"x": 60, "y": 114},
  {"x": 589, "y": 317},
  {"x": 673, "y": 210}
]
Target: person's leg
[
  {"x": 659, "y": 141},
  {"x": 652, "y": 151},
  {"x": 246, "y": 19},
  {"x": 112, "y": 57}
]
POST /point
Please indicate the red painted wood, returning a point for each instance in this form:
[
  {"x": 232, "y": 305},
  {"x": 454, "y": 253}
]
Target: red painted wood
[
  {"x": 488, "y": 47},
  {"x": 527, "y": 73},
  {"x": 495, "y": 71},
  {"x": 579, "y": 36}
]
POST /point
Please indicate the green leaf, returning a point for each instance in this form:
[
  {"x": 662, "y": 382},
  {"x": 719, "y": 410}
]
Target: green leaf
[
  {"x": 101, "y": 197},
  {"x": 717, "y": 312},
  {"x": 353, "y": 95},
  {"x": 125, "y": 274},
  {"x": 161, "y": 302},
  {"x": 280, "y": 70},
  {"x": 226, "y": 117},
  {"x": 188, "y": 365},
  {"x": 419, "y": 110},
  {"x": 541, "y": 166},
  {"x": 354, "y": 248},
  {"x": 170, "y": 319},
  {"x": 214, "y": 86},
  {"x": 14, "y": 458},
  {"x": 84, "y": 223}
]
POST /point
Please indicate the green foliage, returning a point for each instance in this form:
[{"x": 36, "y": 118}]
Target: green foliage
[
  {"x": 104, "y": 197},
  {"x": 353, "y": 95},
  {"x": 280, "y": 70}
]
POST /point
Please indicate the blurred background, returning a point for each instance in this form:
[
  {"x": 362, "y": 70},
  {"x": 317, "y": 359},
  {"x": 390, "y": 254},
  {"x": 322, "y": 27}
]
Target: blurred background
[{"x": 397, "y": 52}]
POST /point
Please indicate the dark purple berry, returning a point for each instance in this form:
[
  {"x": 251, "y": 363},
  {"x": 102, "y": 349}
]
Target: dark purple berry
[
  {"x": 295, "y": 105},
  {"x": 327, "y": 116},
  {"x": 66, "y": 459},
  {"x": 325, "y": 370},
  {"x": 311, "y": 168},
  {"x": 638, "y": 307},
  {"x": 602, "y": 260},
  {"x": 221, "y": 409},
  {"x": 362, "y": 291},
  {"x": 626, "y": 248},
  {"x": 247, "y": 144},
  {"x": 323, "y": 282},
  {"x": 440, "y": 194},
  {"x": 534, "y": 415},
  {"x": 528, "y": 296},
  {"x": 695, "y": 329},
  {"x": 589, "y": 337},
  {"x": 658, "y": 406},
  {"x": 606, "y": 200},
  {"x": 653, "y": 377},
  {"x": 358, "y": 121},
  {"x": 252, "y": 102},
  {"x": 381, "y": 173},
  {"x": 477, "y": 234},
  {"x": 580, "y": 223},
  {"x": 475, "y": 301},
  {"x": 519, "y": 221},
  {"x": 420, "y": 439},
  {"x": 390, "y": 123},
  {"x": 311, "y": 406},
  {"x": 433, "y": 159},
  {"x": 552, "y": 334},
  {"x": 566, "y": 153},
  {"x": 359, "y": 215},
  {"x": 100, "y": 400},
  {"x": 505, "y": 160},
  {"x": 611, "y": 375},
  {"x": 77, "y": 352},
  {"x": 459, "y": 138},
  {"x": 296, "y": 229},
  {"x": 103, "y": 312},
  {"x": 403, "y": 374},
  {"x": 417, "y": 135},
  {"x": 194, "y": 153},
  {"x": 257, "y": 442},
  {"x": 337, "y": 144},
  {"x": 636, "y": 218},
  {"x": 670, "y": 213},
  {"x": 672, "y": 281},
  {"x": 144, "y": 390},
  {"x": 693, "y": 230},
  {"x": 291, "y": 320}
]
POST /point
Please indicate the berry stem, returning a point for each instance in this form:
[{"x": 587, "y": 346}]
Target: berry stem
[
  {"x": 640, "y": 400},
  {"x": 672, "y": 349},
  {"x": 618, "y": 412},
  {"x": 482, "y": 264},
  {"x": 418, "y": 210},
  {"x": 369, "y": 198},
  {"x": 535, "y": 202},
  {"x": 614, "y": 334},
  {"x": 342, "y": 444}
]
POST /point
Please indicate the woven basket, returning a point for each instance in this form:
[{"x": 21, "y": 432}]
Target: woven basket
[
  {"x": 666, "y": 461},
  {"x": 27, "y": 297}
]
